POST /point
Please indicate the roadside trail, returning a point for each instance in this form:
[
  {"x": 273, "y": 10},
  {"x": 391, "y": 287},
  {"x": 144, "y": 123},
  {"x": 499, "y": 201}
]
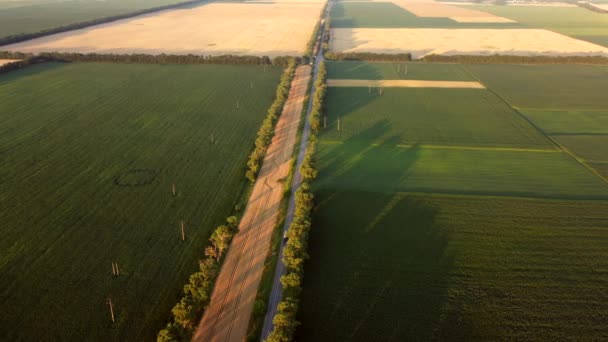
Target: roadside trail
[
  {"x": 277, "y": 290},
  {"x": 227, "y": 316}
]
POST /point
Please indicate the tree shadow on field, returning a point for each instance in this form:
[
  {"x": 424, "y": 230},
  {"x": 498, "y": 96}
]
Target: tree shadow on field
[
  {"x": 379, "y": 270},
  {"x": 380, "y": 266}
]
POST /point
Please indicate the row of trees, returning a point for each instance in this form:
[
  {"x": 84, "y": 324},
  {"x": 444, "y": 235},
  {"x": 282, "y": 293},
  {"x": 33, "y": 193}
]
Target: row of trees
[
  {"x": 27, "y": 36},
  {"x": 197, "y": 293},
  {"x": 266, "y": 131},
  {"x": 317, "y": 101},
  {"x": 368, "y": 56},
  {"x": 591, "y": 7},
  {"x": 165, "y": 58},
  {"x": 507, "y": 59},
  {"x": 295, "y": 251},
  {"x": 27, "y": 61}
]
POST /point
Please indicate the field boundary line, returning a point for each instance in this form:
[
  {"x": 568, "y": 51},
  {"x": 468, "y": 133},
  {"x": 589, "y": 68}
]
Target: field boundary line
[
  {"x": 562, "y": 148},
  {"x": 447, "y": 147},
  {"x": 563, "y": 110},
  {"x": 404, "y": 83}
]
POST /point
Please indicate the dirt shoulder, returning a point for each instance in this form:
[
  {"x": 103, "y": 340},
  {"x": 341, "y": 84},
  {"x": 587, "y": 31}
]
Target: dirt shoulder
[{"x": 227, "y": 316}]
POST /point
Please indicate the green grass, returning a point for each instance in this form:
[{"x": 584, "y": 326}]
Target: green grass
[
  {"x": 397, "y": 267},
  {"x": 569, "y": 121},
  {"x": 460, "y": 117},
  {"x": 560, "y": 87},
  {"x": 352, "y": 166},
  {"x": 389, "y": 15},
  {"x": 72, "y": 138},
  {"x": 576, "y": 22},
  {"x": 43, "y": 15},
  {"x": 393, "y": 71}
]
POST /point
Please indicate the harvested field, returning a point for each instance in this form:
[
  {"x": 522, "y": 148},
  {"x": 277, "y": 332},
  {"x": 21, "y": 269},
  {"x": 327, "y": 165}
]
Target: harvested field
[
  {"x": 389, "y": 14},
  {"x": 218, "y": 28},
  {"x": 404, "y": 84},
  {"x": 227, "y": 316},
  {"x": 6, "y": 61},
  {"x": 89, "y": 154},
  {"x": 575, "y": 22},
  {"x": 432, "y": 9},
  {"x": 422, "y": 42}
]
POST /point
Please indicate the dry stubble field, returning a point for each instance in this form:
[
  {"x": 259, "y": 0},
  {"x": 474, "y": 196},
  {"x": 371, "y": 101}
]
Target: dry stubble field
[{"x": 217, "y": 28}]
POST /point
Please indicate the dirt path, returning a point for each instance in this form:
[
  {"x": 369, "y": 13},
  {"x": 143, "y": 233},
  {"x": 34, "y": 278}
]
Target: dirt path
[
  {"x": 404, "y": 84},
  {"x": 228, "y": 314}
]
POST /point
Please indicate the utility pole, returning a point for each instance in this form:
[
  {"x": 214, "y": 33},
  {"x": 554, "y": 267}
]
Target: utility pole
[
  {"x": 113, "y": 269},
  {"x": 183, "y": 232},
  {"x": 111, "y": 308},
  {"x": 325, "y": 121},
  {"x": 338, "y": 124},
  {"x": 173, "y": 189}
]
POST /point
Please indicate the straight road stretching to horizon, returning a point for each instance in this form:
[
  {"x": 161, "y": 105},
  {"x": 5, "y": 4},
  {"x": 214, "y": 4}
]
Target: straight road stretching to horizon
[{"x": 227, "y": 317}]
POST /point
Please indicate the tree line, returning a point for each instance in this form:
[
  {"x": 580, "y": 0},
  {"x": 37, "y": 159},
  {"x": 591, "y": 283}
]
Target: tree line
[
  {"x": 508, "y": 59},
  {"x": 197, "y": 293},
  {"x": 466, "y": 59},
  {"x": 295, "y": 251},
  {"x": 317, "y": 100},
  {"x": 368, "y": 56},
  {"x": 27, "y": 59},
  {"x": 591, "y": 7},
  {"x": 16, "y": 38},
  {"x": 266, "y": 131}
]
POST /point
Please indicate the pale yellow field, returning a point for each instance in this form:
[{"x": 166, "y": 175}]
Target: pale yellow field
[
  {"x": 6, "y": 61},
  {"x": 217, "y": 28},
  {"x": 421, "y": 42},
  {"x": 403, "y": 84}
]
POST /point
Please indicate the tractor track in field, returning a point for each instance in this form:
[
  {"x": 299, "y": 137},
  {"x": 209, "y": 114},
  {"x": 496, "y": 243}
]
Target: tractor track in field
[{"x": 228, "y": 314}]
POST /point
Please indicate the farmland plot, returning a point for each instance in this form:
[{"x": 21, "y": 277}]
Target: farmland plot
[
  {"x": 218, "y": 28},
  {"x": 396, "y": 266},
  {"x": 17, "y": 17},
  {"x": 89, "y": 154},
  {"x": 446, "y": 214},
  {"x": 468, "y": 117},
  {"x": 396, "y": 71}
]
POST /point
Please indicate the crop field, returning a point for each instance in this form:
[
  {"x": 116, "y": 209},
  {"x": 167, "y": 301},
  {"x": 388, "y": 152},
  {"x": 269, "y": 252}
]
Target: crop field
[
  {"x": 461, "y": 117},
  {"x": 18, "y": 17},
  {"x": 576, "y": 115},
  {"x": 438, "y": 169},
  {"x": 230, "y": 28},
  {"x": 388, "y": 267},
  {"x": 547, "y": 86},
  {"x": 576, "y": 22},
  {"x": 446, "y": 214},
  {"x": 389, "y": 14},
  {"x": 397, "y": 71},
  {"x": 89, "y": 156}
]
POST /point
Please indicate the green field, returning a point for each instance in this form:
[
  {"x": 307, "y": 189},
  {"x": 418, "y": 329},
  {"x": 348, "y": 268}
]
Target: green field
[
  {"x": 577, "y": 87},
  {"x": 446, "y": 214},
  {"x": 389, "y": 15},
  {"x": 398, "y": 267},
  {"x": 43, "y": 15},
  {"x": 567, "y": 102},
  {"x": 467, "y": 117},
  {"x": 576, "y": 22},
  {"x": 392, "y": 71},
  {"x": 455, "y": 170},
  {"x": 89, "y": 154}
]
